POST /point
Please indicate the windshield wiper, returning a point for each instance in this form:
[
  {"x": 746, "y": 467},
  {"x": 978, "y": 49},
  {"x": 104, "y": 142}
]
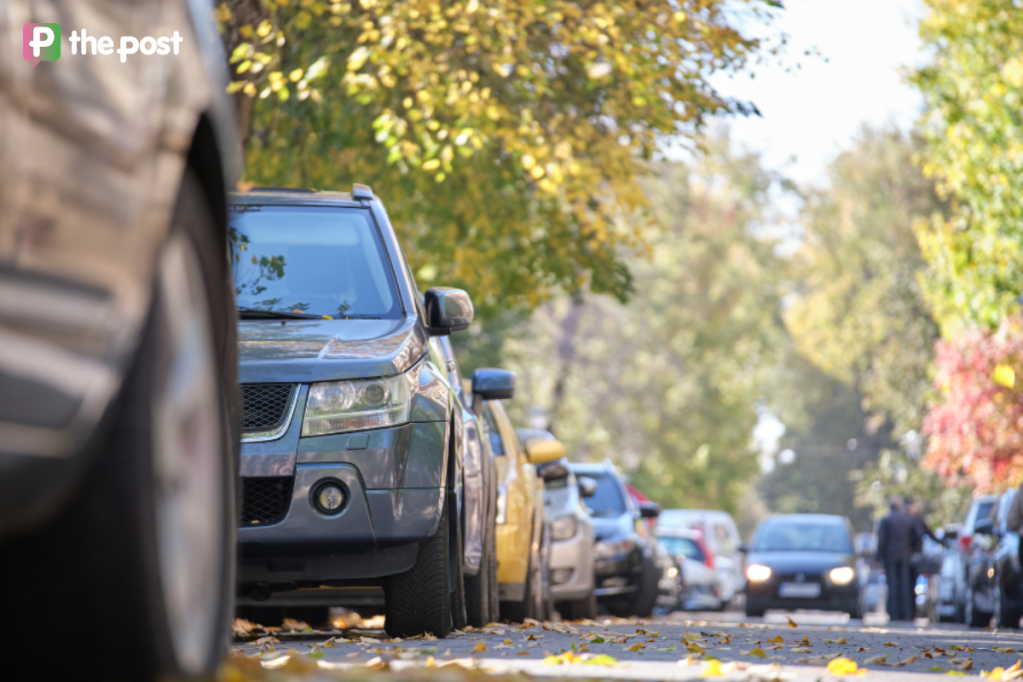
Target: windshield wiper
[{"x": 276, "y": 314}]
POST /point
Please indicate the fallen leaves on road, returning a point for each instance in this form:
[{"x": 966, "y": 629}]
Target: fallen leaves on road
[
  {"x": 792, "y": 623},
  {"x": 777, "y": 640},
  {"x": 876, "y": 660},
  {"x": 840, "y": 640},
  {"x": 1001, "y": 650},
  {"x": 480, "y": 646},
  {"x": 845, "y": 666},
  {"x": 757, "y": 652},
  {"x": 905, "y": 661},
  {"x": 1004, "y": 674},
  {"x": 572, "y": 658},
  {"x": 891, "y": 644},
  {"x": 801, "y": 650}
]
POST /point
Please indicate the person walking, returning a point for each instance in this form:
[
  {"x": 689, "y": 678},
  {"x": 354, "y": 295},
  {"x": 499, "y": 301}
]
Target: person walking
[{"x": 895, "y": 541}]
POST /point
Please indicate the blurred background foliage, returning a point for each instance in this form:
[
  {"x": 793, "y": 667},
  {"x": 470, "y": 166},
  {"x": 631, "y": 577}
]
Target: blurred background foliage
[
  {"x": 665, "y": 300},
  {"x": 508, "y": 136}
]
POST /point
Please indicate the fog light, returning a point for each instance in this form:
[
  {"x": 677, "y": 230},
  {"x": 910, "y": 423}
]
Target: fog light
[
  {"x": 560, "y": 576},
  {"x": 330, "y": 498}
]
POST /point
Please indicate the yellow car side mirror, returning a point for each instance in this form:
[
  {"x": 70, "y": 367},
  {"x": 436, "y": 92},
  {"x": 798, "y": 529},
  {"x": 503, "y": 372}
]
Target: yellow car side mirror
[{"x": 542, "y": 450}]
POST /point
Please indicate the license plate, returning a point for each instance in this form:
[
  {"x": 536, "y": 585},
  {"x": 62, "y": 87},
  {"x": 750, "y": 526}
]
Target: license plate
[{"x": 801, "y": 590}]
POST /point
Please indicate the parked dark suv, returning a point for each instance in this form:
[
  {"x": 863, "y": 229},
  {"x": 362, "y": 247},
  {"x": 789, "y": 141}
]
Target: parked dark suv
[
  {"x": 354, "y": 452},
  {"x": 627, "y": 572}
]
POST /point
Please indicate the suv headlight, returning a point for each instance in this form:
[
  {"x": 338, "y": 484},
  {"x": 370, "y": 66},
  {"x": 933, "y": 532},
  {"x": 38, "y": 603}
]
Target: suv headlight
[
  {"x": 340, "y": 406},
  {"x": 564, "y": 527},
  {"x": 609, "y": 550}
]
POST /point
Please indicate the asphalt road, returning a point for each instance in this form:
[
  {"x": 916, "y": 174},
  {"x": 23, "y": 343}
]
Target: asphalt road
[{"x": 680, "y": 646}]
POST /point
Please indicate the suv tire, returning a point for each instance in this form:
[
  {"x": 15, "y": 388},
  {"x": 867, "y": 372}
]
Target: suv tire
[
  {"x": 645, "y": 597},
  {"x": 418, "y": 601},
  {"x": 579, "y": 609}
]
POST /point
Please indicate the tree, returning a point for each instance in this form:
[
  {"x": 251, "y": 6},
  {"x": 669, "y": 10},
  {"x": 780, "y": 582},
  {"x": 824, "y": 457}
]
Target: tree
[
  {"x": 860, "y": 313},
  {"x": 974, "y": 128},
  {"x": 507, "y": 136},
  {"x": 976, "y": 434},
  {"x": 667, "y": 384}
]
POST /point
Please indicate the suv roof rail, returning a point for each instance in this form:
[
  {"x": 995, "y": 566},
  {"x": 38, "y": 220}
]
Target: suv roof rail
[
  {"x": 360, "y": 191},
  {"x": 285, "y": 189}
]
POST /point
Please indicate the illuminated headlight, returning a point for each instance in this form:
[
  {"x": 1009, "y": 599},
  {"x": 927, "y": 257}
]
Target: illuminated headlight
[
  {"x": 842, "y": 575},
  {"x": 502, "y": 504},
  {"x": 564, "y": 528},
  {"x": 757, "y": 573},
  {"x": 340, "y": 406},
  {"x": 609, "y": 550},
  {"x": 672, "y": 572}
]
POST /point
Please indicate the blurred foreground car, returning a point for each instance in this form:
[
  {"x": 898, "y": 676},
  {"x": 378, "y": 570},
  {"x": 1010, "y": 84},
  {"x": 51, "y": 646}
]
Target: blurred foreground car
[
  {"x": 627, "y": 572},
  {"x": 721, "y": 537},
  {"x": 701, "y": 584},
  {"x": 523, "y": 539},
  {"x": 355, "y": 454},
  {"x": 572, "y": 536},
  {"x": 118, "y": 361},
  {"x": 802, "y": 561}
]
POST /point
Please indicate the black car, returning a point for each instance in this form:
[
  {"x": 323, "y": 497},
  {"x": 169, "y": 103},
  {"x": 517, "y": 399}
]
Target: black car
[
  {"x": 625, "y": 560},
  {"x": 994, "y": 580},
  {"x": 118, "y": 364},
  {"x": 361, "y": 467},
  {"x": 802, "y": 561}
]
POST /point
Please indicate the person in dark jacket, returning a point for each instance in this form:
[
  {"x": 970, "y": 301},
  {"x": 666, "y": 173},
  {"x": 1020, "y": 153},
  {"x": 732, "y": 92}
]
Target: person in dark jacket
[
  {"x": 920, "y": 526},
  {"x": 895, "y": 540}
]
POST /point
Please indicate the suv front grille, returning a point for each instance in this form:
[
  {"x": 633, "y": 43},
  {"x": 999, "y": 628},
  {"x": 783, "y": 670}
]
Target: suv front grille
[
  {"x": 265, "y": 406},
  {"x": 266, "y": 500}
]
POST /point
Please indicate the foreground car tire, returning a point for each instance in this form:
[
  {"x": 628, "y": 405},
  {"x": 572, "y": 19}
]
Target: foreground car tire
[
  {"x": 419, "y": 600},
  {"x": 973, "y": 616},
  {"x": 146, "y": 545}
]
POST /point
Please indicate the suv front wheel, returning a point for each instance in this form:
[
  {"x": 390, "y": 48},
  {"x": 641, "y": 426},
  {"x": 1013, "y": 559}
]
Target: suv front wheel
[{"x": 419, "y": 600}]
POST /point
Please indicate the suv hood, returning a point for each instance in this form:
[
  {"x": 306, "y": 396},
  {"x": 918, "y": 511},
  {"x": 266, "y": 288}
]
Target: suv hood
[{"x": 304, "y": 351}]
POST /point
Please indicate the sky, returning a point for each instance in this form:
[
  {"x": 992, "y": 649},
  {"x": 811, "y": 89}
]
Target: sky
[{"x": 811, "y": 114}]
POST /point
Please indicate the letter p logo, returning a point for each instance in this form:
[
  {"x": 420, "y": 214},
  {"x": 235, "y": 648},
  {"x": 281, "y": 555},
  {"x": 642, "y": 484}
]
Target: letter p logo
[{"x": 40, "y": 43}]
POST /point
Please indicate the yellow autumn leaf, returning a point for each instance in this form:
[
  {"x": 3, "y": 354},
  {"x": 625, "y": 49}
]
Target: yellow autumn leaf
[
  {"x": 792, "y": 623},
  {"x": 711, "y": 669},
  {"x": 842, "y": 666},
  {"x": 480, "y": 646},
  {"x": 1004, "y": 376},
  {"x": 757, "y": 652}
]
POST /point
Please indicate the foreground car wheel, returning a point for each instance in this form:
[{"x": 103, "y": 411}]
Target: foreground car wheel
[
  {"x": 146, "y": 545},
  {"x": 973, "y": 616},
  {"x": 419, "y": 600}
]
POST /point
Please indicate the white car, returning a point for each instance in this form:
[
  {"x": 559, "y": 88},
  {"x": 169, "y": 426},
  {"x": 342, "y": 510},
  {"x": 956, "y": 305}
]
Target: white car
[
  {"x": 722, "y": 539},
  {"x": 701, "y": 585}
]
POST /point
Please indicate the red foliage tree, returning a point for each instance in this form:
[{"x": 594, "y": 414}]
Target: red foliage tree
[{"x": 976, "y": 432}]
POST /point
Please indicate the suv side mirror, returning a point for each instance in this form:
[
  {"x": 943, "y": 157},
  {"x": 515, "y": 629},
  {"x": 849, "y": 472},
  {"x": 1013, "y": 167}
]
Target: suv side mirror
[
  {"x": 542, "y": 450},
  {"x": 447, "y": 310},
  {"x": 951, "y": 533},
  {"x": 649, "y": 510},
  {"x": 554, "y": 472},
  {"x": 493, "y": 384},
  {"x": 587, "y": 486},
  {"x": 984, "y": 527}
]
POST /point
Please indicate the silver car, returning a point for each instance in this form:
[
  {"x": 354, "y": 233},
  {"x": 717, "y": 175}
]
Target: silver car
[{"x": 572, "y": 537}]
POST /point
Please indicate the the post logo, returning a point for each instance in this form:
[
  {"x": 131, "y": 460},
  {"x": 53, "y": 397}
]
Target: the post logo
[{"x": 40, "y": 43}]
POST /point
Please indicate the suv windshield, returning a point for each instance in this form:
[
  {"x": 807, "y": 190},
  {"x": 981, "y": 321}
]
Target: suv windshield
[
  {"x": 607, "y": 501},
  {"x": 312, "y": 260},
  {"x": 802, "y": 536}
]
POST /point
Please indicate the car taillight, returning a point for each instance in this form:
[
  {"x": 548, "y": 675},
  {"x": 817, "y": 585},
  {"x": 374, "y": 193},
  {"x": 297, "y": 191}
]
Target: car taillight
[{"x": 964, "y": 542}]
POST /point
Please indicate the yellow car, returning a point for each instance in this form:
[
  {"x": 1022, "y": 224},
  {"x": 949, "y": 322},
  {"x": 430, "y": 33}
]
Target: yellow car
[{"x": 521, "y": 569}]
